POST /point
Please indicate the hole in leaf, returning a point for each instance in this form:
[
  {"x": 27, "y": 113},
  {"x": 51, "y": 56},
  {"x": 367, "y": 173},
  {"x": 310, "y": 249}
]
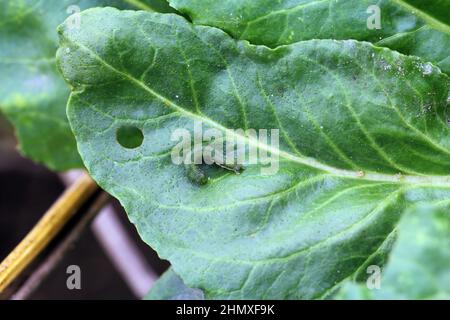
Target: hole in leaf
[{"x": 129, "y": 137}]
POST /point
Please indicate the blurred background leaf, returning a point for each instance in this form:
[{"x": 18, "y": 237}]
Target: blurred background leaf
[
  {"x": 33, "y": 95},
  {"x": 419, "y": 265}
]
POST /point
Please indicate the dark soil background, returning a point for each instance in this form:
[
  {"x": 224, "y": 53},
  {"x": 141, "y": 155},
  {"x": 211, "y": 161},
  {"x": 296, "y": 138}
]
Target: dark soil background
[{"x": 27, "y": 190}]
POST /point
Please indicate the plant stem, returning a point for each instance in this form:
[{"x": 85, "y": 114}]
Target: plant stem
[{"x": 140, "y": 5}]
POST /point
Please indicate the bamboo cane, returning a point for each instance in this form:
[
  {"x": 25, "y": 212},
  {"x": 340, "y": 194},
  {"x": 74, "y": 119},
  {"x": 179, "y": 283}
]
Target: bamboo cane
[{"x": 45, "y": 230}]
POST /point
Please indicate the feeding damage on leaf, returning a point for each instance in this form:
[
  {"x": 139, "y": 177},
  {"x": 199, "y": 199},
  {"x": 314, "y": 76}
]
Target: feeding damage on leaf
[{"x": 316, "y": 215}]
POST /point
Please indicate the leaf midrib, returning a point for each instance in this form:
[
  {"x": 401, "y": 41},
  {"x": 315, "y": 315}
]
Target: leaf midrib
[{"x": 434, "y": 180}]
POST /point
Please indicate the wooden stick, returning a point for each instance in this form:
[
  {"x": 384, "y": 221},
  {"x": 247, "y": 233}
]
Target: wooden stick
[
  {"x": 56, "y": 255},
  {"x": 46, "y": 230}
]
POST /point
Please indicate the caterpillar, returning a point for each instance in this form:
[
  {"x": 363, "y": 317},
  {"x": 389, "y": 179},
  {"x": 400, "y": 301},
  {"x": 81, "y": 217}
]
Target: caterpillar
[{"x": 197, "y": 175}]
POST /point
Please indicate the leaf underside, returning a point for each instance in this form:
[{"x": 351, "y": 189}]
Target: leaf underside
[
  {"x": 296, "y": 234},
  {"x": 412, "y": 27}
]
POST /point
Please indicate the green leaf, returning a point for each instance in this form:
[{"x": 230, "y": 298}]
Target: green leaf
[
  {"x": 363, "y": 136},
  {"x": 436, "y": 10},
  {"x": 171, "y": 287},
  {"x": 412, "y": 27},
  {"x": 32, "y": 93},
  {"x": 419, "y": 266}
]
